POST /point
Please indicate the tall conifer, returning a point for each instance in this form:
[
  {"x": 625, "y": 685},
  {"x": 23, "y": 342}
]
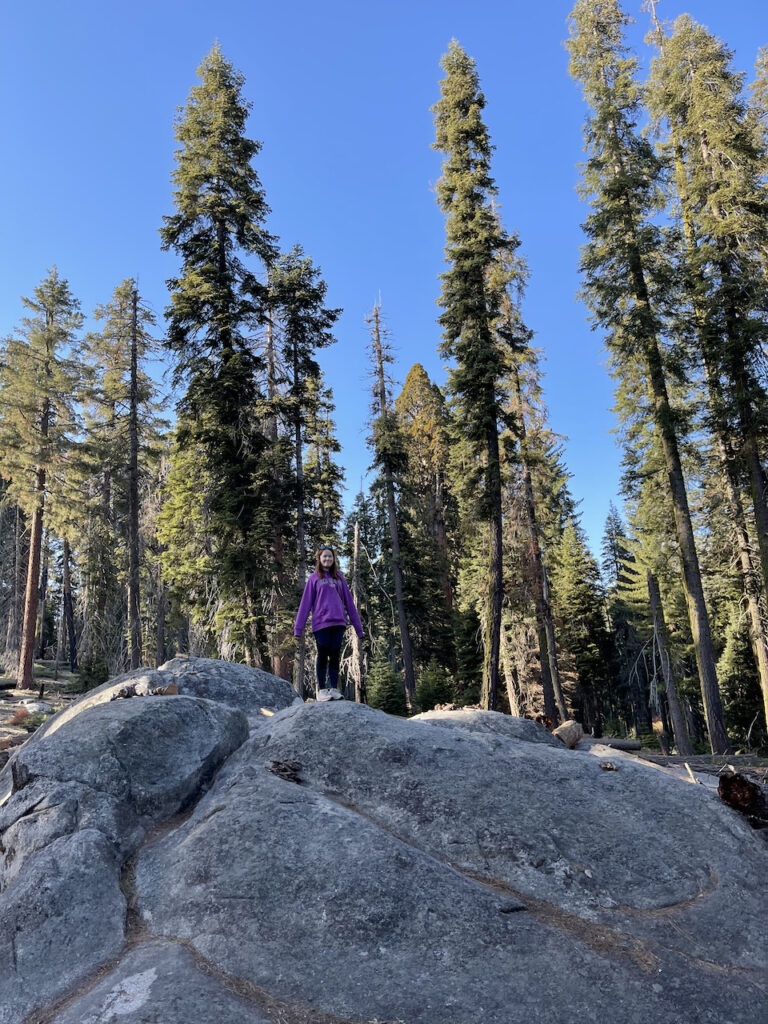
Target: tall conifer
[
  {"x": 724, "y": 206},
  {"x": 41, "y": 377},
  {"x": 470, "y": 301},
  {"x": 428, "y": 517},
  {"x": 623, "y": 272},
  {"x": 217, "y": 304},
  {"x": 390, "y": 459}
]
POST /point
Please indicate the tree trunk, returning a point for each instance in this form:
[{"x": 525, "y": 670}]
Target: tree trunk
[
  {"x": 160, "y": 632},
  {"x": 664, "y": 422},
  {"x": 101, "y": 593},
  {"x": 496, "y": 575},
  {"x": 16, "y": 608},
  {"x": 68, "y": 615},
  {"x": 134, "y": 609},
  {"x": 281, "y": 660},
  {"x": 440, "y": 534},
  {"x": 397, "y": 570},
  {"x": 357, "y": 643},
  {"x": 694, "y": 591},
  {"x": 554, "y": 701},
  {"x": 510, "y": 674},
  {"x": 682, "y": 742},
  {"x": 42, "y": 596},
  {"x": 299, "y": 665},
  {"x": 26, "y": 657}
]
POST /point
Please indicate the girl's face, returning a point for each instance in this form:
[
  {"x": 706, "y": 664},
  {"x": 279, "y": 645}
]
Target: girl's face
[{"x": 326, "y": 559}]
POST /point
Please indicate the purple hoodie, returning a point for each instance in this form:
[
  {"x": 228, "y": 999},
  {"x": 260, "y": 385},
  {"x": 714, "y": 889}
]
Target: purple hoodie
[{"x": 329, "y": 600}]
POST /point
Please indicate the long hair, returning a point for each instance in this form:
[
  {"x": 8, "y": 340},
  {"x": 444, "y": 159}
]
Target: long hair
[{"x": 334, "y": 570}]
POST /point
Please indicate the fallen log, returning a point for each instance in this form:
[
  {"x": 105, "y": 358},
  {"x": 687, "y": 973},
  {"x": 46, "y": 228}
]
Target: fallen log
[{"x": 619, "y": 744}]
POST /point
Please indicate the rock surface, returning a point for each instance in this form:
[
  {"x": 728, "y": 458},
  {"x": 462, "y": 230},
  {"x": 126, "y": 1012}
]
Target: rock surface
[{"x": 159, "y": 864}]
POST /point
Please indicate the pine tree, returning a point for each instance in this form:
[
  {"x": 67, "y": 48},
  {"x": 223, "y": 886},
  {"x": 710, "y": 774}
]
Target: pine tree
[
  {"x": 471, "y": 301},
  {"x": 650, "y": 596},
  {"x": 323, "y": 477},
  {"x": 13, "y": 558},
  {"x": 127, "y": 405},
  {"x": 434, "y": 687},
  {"x": 41, "y": 376},
  {"x": 428, "y": 514},
  {"x": 624, "y": 275},
  {"x": 510, "y": 275},
  {"x": 622, "y": 621},
  {"x": 122, "y": 444},
  {"x": 386, "y": 691},
  {"x": 390, "y": 459},
  {"x": 217, "y": 303},
  {"x": 366, "y": 528},
  {"x": 724, "y": 205},
  {"x": 579, "y": 601},
  {"x": 298, "y": 296}
]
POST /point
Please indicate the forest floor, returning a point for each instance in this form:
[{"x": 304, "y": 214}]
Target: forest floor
[{"x": 23, "y": 711}]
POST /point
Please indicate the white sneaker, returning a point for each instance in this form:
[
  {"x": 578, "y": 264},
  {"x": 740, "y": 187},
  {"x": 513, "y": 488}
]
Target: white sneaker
[
  {"x": 336, "y": 694},
  {"x": 324, "y": 695}
]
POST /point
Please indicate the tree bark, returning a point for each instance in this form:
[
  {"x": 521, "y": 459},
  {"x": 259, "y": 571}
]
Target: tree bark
[
  {"x": 510, "y": 674},
  {"x": 682, "y": 741},
  {"x": 160, "y": 632},
  {"x": 42, "y": 596},
  {"x": 26, "y": 657},
  {"x": 496, "y": 575},
  {"x": 16, "y": 608},
  {"x": 68, "y": 615}
]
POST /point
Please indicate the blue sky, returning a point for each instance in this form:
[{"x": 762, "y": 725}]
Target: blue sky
[{"x": 341, "y": 97}]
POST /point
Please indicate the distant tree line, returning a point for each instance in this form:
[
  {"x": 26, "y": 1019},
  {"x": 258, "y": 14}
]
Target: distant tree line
[{"x": 125, "y": 539}]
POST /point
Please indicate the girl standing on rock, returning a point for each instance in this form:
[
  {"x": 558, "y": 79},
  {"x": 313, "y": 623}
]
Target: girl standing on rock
[{"x": 328, "y": 598}]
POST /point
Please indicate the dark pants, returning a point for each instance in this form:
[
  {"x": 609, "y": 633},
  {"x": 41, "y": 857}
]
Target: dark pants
[{"x": 329, "y": 641}]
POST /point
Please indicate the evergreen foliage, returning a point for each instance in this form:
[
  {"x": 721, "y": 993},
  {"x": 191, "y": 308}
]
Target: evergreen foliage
[
  {"x": 434, "y": 687},
  {"x": 580, "y": 602},
  {"x": 428, "y": 513},
  {"x": 628, "y": 282},
  {"x": 42, "y": 375},
  {"x": 217, "y": 303},
  {"x": 385, "y": 689},
  {"x": 471, "y": 301}
]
